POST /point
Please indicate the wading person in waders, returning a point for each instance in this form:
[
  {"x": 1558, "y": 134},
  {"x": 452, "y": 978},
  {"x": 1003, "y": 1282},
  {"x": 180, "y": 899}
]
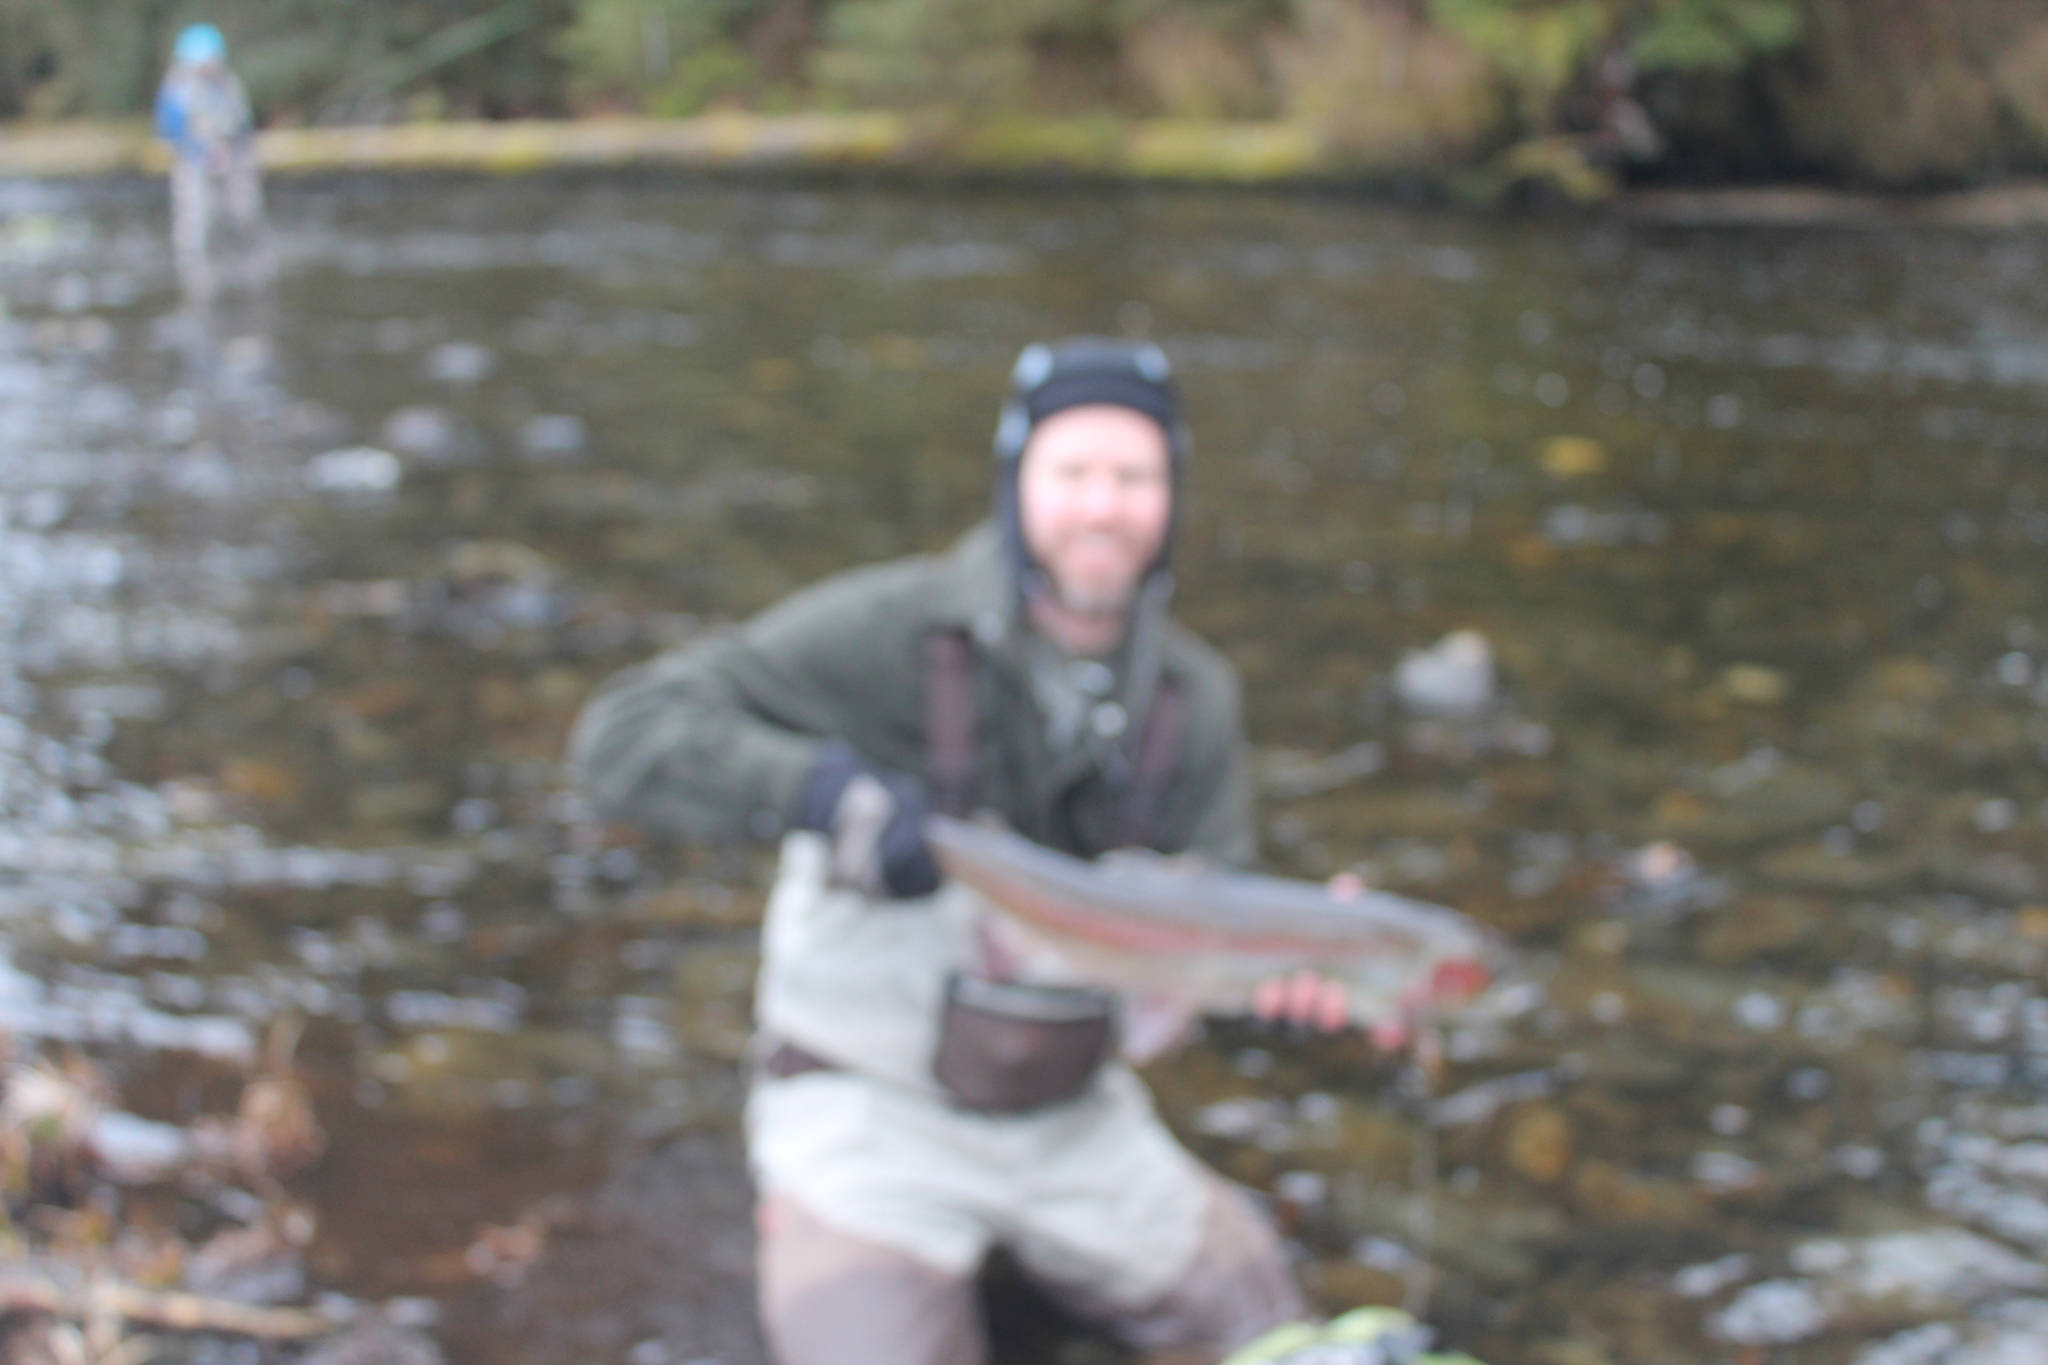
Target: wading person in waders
[
  {"x": 916, "y": 1104},
  {"x": 203, "y": 113}
]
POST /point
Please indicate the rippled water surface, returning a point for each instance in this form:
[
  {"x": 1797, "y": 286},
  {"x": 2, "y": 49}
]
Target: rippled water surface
[{"x": 297, "y": 602}]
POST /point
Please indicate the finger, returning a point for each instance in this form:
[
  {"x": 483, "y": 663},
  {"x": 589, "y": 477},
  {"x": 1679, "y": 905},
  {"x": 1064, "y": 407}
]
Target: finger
[
  {"x": 1347, "y": 886},
  {"x": 1304, "y": 995},
  {"x": 1390, "y": 1034},
  {"x": 1269, "y": 1001},
  {"x": 1333, "y": 1007}
]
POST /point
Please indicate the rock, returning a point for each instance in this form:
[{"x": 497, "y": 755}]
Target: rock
[
  {"x": 1568, "y": 1353},
  {"x": 475, "y": 561},
  {"x": 427, "y": 433},
  {"x": 355, "y": 469},
  {"x": 2007, "y": 1334},
  {"x": 137, "y": 1151},
  {"x": 1856, "y": 1283},
  {"x": 1924, "y": 1272},
  {"x": 1353, "y": 1284},
  {"x": 1538, "y": 1143},
  {"x": 260, "y": 780},
  {"x": 1288, "y": 774},
  {"x": 1819, "y": 866},
  {"x": 694, "y": 903},
  {"x": 714, "y": 991},
  {"x": 1774, "y": 1312},
  {"x": 1454, "y": 677},
  {"x": 1571, "y": 457},
  {"x": 397, "y": 803},
  {"x": 377, "y": 1343},
  {"x": 1908, "y": 679},
  {"x": 1662, "y": 881},
  {"x": 460, "y": 362},
  {"x": 1607, "y": 1193},
  {"x": 1708, "y": 1278},
  {"x": 1758, "y": 927},
  {"x": 264, "y": 1263},
  {"x": 1995, "y": 876},
  {"x": 2013, "y": 1212},
  {"x": 1755, "y": 685},
  {"x": 1766, "y": 796},
  {"x": 552, "y": 436}
]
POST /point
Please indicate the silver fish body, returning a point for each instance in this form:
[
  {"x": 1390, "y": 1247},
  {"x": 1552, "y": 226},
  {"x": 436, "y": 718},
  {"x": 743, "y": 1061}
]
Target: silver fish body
[{"x": 1159, "y": 925}]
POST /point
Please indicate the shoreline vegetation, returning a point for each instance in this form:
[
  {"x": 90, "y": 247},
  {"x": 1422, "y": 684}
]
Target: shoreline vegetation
[
  {"x": 882, "y": 144},
  {"x": 1480, "y": 101}
]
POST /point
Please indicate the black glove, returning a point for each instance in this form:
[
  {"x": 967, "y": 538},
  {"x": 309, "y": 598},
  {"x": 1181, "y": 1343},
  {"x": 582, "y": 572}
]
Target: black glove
[{"x": 876, "y": 823}]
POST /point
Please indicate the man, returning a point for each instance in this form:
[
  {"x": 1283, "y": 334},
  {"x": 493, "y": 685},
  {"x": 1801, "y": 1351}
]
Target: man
[
  {"x": 920, "y": 1098},
  {"x": 203, "y": 113}
]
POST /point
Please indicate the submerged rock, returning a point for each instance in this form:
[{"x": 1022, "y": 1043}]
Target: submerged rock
[
  {"x": 553, "y": 436},
  {"x": 355, "y": 469},
  {"x": 378, "y": 1343},
  {"x": 460, "y": 362},
  {"x": 1538, "y": 1143},
  {"x": 1846, "y": 1283},
  {"x": 2011, "y": 1333},
  {"x": 1774, "y": 1312},
  {"x": 1453, "y": 677},
  {"x": 428, "y": 433}
]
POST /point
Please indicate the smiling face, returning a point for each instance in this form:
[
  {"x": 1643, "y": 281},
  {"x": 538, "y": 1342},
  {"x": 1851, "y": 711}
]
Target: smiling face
[{"x": 1095, "y": 497}]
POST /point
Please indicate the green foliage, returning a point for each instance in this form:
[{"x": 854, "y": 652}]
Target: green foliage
[
  {"x": 964, "y": 53},
  {"x": 1542, "y": 47},
  {"x": 664, "y": 56},
  {"x": 1538, "y": 46},
  {"x": 1386, "y": 89},
  {"x": 95, "y": 57},
  {"x": 1714, "y": 35},
  {"x": 104, "y": 57}
]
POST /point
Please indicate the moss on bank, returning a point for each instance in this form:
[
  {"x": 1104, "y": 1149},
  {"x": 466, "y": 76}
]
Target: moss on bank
[
  {"x": 1162, "y": 150},
  {"x": 1143, "y": 149}
]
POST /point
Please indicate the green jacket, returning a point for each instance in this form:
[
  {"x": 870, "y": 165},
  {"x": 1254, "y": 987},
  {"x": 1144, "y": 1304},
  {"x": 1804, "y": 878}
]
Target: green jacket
[{"x": 715, "y": 740}]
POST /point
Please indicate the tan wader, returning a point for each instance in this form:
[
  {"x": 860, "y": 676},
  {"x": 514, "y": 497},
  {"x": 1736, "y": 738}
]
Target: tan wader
[
  {"x": 881, "y": 1194},
  {"x": 209, "y": 194},
  {"x": 831, "y": 1297}
]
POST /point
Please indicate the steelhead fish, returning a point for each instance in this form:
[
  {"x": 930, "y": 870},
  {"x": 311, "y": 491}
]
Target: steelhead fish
[{"x": 1159, "y": 925}]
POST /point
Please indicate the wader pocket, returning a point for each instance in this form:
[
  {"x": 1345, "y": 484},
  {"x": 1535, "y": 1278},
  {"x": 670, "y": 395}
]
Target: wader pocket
[{"x": 1006, "y": 1047}]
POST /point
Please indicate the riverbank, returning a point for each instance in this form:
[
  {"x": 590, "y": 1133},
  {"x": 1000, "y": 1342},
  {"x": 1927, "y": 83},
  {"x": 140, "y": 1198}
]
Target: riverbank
[{"x": 1163, "y": 151}]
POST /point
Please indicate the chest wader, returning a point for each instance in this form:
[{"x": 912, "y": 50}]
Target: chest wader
[{"x": 1007, "y": 1046}]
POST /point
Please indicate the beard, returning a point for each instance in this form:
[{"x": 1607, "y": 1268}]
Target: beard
[
  {"x": 1094, "y": 587},
  {"x": 1094, "y": 599},
  {"x": 1098, "y": 596}
]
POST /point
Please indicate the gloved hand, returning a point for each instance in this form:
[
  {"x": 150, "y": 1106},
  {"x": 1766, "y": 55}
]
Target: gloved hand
[{"x": 875, "y": 820}]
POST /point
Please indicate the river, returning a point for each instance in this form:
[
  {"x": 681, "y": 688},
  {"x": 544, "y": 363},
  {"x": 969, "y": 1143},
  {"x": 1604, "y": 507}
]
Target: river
[{"x": 300, "y": 600}]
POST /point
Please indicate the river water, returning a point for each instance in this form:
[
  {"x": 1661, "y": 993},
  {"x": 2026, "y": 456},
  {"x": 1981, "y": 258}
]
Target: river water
[{"x": 299, "y": 601}]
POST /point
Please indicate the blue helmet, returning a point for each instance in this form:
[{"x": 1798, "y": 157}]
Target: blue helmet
[{"x": 198, "y": 44}]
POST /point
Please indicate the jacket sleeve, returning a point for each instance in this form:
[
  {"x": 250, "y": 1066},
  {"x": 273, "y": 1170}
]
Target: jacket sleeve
[
  {"x": 677, "y": 747},
  {"x": 715, "y": 741},
  {"x": 170, "y": 117}
]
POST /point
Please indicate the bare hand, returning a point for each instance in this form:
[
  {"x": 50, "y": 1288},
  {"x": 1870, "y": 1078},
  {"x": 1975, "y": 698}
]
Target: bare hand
[
  {"x": 1311, "y": 1001},
  {"x": 1303, "y": 999}
]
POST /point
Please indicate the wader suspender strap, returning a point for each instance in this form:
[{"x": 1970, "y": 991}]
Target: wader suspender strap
[
  {"x": 949, "y": 761},
  {"x": 1153, "y": 773},
  {"x": 951, "y": 769}
]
